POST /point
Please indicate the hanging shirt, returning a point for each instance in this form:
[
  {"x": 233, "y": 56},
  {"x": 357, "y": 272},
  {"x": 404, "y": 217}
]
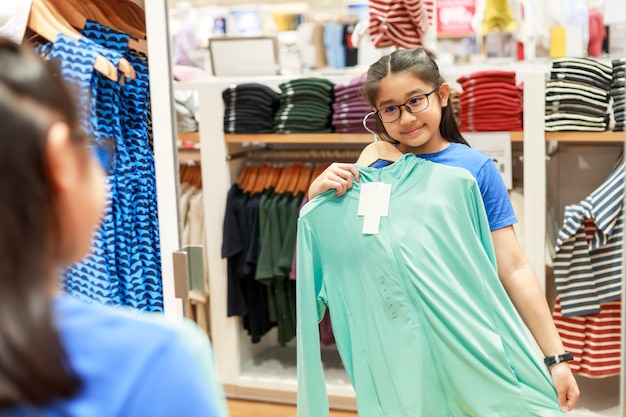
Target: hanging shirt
[
  {"x": 588, "y": 269},
  {"x": 494, "y": 193},
  {"x": 594, "y": 339},
  {"x": 398, "y": 23},
  {"x": 421, "y": 320}
]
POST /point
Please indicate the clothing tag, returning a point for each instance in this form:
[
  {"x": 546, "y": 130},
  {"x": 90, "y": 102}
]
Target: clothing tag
[{"x": 373, "y": 204}]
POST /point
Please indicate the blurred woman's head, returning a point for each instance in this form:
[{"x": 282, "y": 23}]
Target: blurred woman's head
[{"x": 51, "y": 198}]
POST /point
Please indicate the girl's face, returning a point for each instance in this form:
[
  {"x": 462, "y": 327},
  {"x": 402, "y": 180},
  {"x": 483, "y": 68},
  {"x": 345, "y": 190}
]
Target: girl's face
[{"x": 415, "y": 132}]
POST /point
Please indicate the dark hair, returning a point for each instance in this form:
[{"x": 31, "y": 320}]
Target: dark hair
[
  {"x": 420, "y": 63},
  {"x": 34, "y": 367}
]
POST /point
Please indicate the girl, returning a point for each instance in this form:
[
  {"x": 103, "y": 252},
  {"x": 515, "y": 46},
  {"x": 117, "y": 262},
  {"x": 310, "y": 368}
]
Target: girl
[
  {"x": 60, "y": 356},
  {"x": 410, "y": 100}
]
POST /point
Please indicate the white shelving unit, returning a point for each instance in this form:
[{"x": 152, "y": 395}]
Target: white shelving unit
[{"x": 266, "y": 371}]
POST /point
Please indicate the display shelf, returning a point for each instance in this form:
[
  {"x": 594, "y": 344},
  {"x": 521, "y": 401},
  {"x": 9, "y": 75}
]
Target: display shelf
[
  {"x": 189, "y": 137},
  {"x": 243, "y": 368},
  {"x": 314, "y": 138},
  {"x": 586, "y": 137},
  {"x": 189, "y": 155}
]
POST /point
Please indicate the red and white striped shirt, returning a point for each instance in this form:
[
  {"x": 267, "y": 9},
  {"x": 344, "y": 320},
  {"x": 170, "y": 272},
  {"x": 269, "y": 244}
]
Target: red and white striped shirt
[
  {"x": 594, "y": 339},
  {"x": 399, "y": 23}
]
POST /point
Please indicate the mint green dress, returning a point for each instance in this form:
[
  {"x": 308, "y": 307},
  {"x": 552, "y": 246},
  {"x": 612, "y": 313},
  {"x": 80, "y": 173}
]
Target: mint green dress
[{"x": 421, "y": 320}]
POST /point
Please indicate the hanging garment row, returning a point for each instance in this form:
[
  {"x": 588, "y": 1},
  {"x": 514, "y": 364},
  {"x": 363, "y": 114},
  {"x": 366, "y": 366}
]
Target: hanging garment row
[
  {"x": 124, "y": 266},
  {"x": 191, "y": 207},
  {"x": 588, "y": 277},
  {"x": 259, "y": 236},
  {"x": 50, "y": 18}
]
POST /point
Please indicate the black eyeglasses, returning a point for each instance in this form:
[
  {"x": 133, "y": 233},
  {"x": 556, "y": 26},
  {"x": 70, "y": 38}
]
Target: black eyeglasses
[{"x": 415, "y": 104}]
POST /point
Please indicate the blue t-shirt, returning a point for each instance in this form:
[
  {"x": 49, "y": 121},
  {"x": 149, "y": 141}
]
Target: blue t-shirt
[
  {"x": 132, "y": 364},
  {"x": 495, "y": 195}
]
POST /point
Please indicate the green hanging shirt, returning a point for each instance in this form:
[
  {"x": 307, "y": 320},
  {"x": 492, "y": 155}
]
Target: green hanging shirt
[{"x": 421, "y": 320}]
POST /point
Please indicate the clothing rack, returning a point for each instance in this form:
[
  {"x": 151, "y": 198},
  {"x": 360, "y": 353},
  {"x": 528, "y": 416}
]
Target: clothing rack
[{"x": 302, "y": 155}]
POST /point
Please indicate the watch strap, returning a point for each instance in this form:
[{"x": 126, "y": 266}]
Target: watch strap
[{"x": 554, "y": 359}]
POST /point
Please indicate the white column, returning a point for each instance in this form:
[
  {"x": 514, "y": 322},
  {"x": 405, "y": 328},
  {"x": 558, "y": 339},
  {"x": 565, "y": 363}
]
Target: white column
[{"x": 164, "y": 136}]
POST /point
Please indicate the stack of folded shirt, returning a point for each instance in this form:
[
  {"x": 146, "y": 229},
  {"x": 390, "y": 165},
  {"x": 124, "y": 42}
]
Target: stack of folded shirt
[
  {"x": 618, "y": 93},
  {"x": 350, "y": 108},
  {"x": 249, "y": 108},
  {"x": 490, "y": 101},
  {"x": 305, "y": 106},
  {"x": 577, "y": 95}
]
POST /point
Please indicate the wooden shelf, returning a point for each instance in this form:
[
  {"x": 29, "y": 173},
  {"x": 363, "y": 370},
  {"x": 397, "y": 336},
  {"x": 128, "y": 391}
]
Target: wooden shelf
[
  {"x": 585, "y": 137},
  {"x": 189, "y": 155},
  {"x": 299, "y": 138},
  {"x": 313, "y": 138},
  {"x": 189, "y": 137},
  {"x": 317, "y": 137}
]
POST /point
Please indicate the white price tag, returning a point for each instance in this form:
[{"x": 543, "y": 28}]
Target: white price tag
[{"x": 373, "y": 204}]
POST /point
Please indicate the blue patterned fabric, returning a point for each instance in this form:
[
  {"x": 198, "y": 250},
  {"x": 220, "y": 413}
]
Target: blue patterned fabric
[
  {"x": 136, "y": 174},
  {"x": 124, "y": 265}
]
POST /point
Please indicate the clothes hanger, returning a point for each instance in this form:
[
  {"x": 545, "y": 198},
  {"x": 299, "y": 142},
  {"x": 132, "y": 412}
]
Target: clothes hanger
[
  {"x": 46, "y": 22},
  {"x": 251, "y": 180},
  {"x": 197, "y": 171},
  {"x": 132, "y": 11},
  {"x": 379, "y": 150},
  {"x": 261, "y": 180},
  {"x": 304, "y": 179},
  {"x": 294, "y": 178},
  {"x": 274, "y": 173},
  {"x": 76, "y": 16},
  {"x": 243, "y": 176},
  {"x": 103, "y": 14},
  {"x": 128, "y": 24},
  {"x": 283, "y": 179}
]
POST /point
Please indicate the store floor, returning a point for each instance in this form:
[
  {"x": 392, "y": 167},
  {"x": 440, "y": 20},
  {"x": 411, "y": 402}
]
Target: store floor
[{"x": 242, "y": 408}]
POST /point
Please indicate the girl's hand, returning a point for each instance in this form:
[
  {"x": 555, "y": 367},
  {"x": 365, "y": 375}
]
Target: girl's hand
[
  {"x": 338, "y": 176},
  {"x": 566, "y": 386}
]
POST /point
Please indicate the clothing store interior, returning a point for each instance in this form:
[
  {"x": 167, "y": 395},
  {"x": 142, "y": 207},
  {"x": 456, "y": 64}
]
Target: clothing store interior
[{"x": 239, "y": 105}]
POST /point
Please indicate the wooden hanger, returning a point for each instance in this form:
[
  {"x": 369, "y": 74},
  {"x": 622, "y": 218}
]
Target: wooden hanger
[
  {"x": 379, "y": 150},
  {"x": 45, "y": 20},
  {"x": 294, "y": 178},
  {"x": 251, "y": 179},
  {"x": 241, "y": 180},
  {"x": 133, "y": 12},
  {"x": 102, "y": 13},
  {"x": 90, "y": 10},
  {"x": 76, "y": 15},
  {"x": 276, "y": 173},
  {"x": 282, "y": 180},
  {"x": 262, "y": 179},
  {"x": 304, "y": 179}
]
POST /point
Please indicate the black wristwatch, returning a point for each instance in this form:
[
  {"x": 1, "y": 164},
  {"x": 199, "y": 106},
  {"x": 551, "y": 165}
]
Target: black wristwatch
[{"x": 554, "y": 359}]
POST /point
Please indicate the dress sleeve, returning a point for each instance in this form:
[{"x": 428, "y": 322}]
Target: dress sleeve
[{"x": 310, "y": 301}]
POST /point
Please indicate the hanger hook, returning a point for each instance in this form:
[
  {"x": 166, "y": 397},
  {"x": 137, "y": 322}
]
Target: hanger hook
[{"x": 367, "y": 128}]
